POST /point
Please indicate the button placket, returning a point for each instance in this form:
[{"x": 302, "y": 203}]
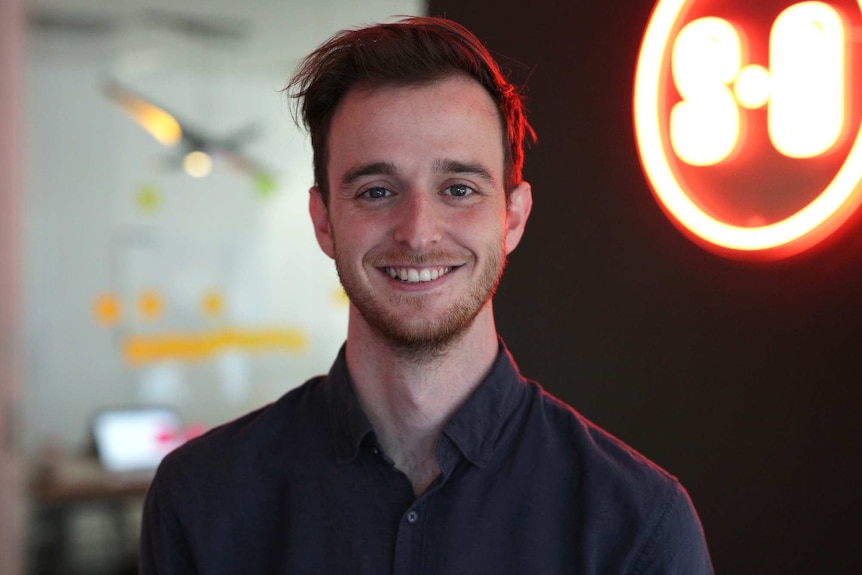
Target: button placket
[{"x": 410, "y": 540}]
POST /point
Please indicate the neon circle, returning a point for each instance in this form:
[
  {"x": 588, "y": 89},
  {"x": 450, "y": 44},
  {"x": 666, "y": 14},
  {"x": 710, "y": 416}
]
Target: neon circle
[{"x": 808, "y": 226}]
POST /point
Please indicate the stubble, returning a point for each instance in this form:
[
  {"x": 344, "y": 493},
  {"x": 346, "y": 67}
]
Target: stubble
[{"x": 425, "y": 341}]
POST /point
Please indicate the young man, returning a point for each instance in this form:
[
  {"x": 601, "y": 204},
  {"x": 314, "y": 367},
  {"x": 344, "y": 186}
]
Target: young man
[{"x": 423, "y": 450}]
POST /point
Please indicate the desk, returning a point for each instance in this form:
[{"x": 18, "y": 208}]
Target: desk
[{"x": 61, "y": 490}]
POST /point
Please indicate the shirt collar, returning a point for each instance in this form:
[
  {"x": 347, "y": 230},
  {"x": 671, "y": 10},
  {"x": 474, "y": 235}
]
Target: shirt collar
[
  {"x": 350, "y": 425},
  {"x": 474, "y": 428}
]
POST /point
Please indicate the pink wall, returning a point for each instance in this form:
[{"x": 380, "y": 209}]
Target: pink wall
[{"x": 11, "y": 487}]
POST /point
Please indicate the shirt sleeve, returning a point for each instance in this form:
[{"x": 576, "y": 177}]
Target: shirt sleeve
[
  {"x": 164, "y": 549},
  {"x": 677, "y": 545}
]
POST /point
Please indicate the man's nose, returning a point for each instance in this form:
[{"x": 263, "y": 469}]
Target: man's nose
[{"x": 419, "y": 223}]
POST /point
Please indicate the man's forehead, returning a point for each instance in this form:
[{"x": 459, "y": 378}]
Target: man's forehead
[
  {"x": 459, "y": 99},
  {"x": 364, "y": 89},
  {"x": 390, "y": 92}
]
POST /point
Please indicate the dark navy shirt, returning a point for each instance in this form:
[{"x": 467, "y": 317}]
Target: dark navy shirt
[{"x": 527, "y": 485}]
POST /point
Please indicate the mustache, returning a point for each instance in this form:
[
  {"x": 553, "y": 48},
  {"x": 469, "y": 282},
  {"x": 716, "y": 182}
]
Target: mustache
[{"x": 416, "y": 259}]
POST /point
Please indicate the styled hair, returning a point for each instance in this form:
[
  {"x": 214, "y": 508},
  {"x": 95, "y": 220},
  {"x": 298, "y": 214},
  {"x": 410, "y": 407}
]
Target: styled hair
[{"x": 414, "y": 50}]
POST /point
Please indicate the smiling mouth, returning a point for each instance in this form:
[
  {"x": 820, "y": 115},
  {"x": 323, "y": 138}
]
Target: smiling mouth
[{"x": 416, "y": 275}]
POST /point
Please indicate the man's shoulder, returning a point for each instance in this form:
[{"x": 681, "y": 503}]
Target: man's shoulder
[
  {"x": 616, "y": 489},
  {"x": 598, "y": 456},
  {"x": 629, "y": 509}
]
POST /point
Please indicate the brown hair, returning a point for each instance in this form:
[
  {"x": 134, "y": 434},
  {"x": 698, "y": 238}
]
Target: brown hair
[{"x": 413, "y": 50}]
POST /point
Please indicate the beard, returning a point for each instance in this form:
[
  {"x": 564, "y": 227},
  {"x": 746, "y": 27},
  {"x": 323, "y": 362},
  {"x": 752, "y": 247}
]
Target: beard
[{"x": 415, "y": 338}]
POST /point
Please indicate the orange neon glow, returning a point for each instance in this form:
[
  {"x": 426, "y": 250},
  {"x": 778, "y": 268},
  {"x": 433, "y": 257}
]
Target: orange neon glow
[
  {"x": 819, "y": 125},
  {"x": 806, "y": 49},
  {"x": 141, "y": 349}
]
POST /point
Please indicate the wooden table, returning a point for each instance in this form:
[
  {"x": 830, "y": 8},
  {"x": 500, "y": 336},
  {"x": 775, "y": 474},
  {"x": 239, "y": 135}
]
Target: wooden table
[{"x": 61, "y": 489}]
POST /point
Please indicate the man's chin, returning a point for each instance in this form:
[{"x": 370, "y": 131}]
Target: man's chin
[
  {"x": 423, "y": 346},
  {"x": 420, "y": 338}
]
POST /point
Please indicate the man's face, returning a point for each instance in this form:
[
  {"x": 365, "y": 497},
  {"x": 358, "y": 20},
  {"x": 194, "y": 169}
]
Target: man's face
[{"x": 417, "y": 220}]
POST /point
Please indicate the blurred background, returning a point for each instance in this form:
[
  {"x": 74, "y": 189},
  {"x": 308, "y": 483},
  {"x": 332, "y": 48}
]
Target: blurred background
[
  {"x": 169, "y": 277},
  {"x": 158, "y": 274}
]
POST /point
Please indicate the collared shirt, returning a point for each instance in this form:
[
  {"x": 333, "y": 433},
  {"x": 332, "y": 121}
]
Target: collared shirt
[{"x": 526, "y": 485}]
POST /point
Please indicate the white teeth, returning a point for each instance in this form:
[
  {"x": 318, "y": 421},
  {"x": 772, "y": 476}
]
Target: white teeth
[{"x": 413, "y": 275}]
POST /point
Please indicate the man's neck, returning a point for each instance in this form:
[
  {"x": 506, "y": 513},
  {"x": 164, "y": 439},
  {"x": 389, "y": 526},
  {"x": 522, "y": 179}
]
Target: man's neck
[{"x": 409, "y": 399}]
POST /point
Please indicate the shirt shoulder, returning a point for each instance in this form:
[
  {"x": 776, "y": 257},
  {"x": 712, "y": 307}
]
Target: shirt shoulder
[
  {"x": 589, "y": 444},
  {"x": 620, "y": 494}
]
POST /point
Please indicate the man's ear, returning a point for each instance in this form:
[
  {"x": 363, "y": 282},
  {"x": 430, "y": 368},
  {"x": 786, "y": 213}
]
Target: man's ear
[
  {"x": 517, "y": 213},
  {"x": 320, "y": 220}
]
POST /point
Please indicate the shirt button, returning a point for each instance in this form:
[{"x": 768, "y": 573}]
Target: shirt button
[{"x": 412, "y": 517}]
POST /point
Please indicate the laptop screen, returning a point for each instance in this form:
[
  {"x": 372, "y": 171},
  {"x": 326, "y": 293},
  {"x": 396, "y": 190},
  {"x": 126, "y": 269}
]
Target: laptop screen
[{"x": 136, "y": 438}]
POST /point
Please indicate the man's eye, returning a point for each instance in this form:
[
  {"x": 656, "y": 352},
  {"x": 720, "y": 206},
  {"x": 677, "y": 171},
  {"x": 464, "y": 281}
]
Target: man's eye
[
  {"x": 376, "y": 193},
  {"x": 459, "y": 191}
]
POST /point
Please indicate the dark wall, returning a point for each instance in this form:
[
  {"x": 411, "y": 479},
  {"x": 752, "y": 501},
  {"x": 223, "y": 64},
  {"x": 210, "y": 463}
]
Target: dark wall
[{"x": 741, "y": 379}]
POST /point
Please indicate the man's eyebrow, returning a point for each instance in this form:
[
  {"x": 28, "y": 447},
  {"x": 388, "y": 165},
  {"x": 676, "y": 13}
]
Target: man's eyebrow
[
  {"x": 458, "y": 167},
  {"x": 372, "y": 169}
]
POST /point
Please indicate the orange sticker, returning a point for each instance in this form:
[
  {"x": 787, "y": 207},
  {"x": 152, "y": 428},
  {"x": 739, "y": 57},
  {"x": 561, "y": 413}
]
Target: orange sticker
[
  {"x": 150, "y": 305},
  {"x": 212, "y": 304},
  {"x": 107, "y": 309}
]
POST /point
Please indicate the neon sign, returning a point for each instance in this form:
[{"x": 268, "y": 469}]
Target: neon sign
[{"x": 745, "y": 121}]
